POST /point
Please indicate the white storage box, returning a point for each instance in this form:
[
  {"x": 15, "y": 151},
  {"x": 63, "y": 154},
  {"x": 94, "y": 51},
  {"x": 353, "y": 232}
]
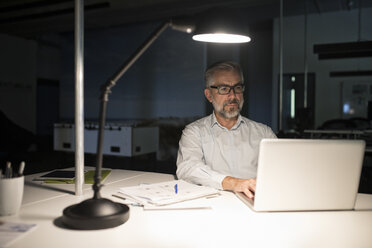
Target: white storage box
[{"x": 121, "y": 140}]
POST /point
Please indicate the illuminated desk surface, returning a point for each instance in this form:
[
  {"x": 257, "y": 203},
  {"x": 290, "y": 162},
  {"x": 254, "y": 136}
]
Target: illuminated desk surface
[{"x": 229, "y": 223}]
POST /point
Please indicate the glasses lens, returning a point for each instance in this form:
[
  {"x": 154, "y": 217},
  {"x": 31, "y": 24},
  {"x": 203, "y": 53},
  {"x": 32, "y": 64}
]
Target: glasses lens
[
  {"x": 223, "y": 90},
  {"x": 239, "y": 88}
]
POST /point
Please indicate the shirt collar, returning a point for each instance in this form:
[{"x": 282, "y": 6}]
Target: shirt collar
[{"x": 215, "y": 122}]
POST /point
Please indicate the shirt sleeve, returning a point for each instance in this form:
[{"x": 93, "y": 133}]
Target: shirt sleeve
[
  {"x": 191, "y": 164},
  {"x": 269, "y": 133}
]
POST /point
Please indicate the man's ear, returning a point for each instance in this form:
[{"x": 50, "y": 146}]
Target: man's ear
[{"x": 208, "y": 94}]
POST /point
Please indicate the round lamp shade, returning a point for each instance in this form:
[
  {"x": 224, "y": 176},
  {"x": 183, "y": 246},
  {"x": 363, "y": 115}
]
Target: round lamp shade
[{"x": 221, "y": 26}]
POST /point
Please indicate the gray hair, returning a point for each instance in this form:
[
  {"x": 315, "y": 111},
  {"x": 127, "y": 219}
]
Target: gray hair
[{"x": 221, "y": 66}]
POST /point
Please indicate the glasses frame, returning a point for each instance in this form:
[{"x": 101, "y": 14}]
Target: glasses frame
[{"x": 228, "y": 86}]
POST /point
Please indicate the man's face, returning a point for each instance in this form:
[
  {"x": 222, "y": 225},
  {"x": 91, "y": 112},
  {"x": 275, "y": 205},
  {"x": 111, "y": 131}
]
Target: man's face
[{"x": 227, "y": 106}]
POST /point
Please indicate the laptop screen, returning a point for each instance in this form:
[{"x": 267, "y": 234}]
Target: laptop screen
[{"x": 304, "y": 174}]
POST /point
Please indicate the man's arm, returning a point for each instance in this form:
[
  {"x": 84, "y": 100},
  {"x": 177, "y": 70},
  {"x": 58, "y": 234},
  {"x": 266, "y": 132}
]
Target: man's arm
[
  {"x": 191, "y": 166},
  {"x": 247, "y": 186}
]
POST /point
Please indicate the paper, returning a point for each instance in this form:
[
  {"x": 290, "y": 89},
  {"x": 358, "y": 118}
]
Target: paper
[
  {"x": 196, "y": 204},
  {"x": 167, "y": 192},
  {"x": 10, "y": 232}
]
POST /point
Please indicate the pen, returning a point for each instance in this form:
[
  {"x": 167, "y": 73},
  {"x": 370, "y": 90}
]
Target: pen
[
  {"x": 21, "y": 168},
  {"x": 8, "y": 170},
  {"x": 176, "y": 188},
  {"x": 135, "y": 204}
]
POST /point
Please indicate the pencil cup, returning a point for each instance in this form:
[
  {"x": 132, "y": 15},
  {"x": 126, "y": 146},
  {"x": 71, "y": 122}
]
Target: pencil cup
[{"x": 11, "y": 194}]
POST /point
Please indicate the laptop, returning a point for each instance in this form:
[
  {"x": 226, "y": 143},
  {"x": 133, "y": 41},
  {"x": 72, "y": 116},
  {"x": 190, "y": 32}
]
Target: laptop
[{"x": 307, "y": 175}]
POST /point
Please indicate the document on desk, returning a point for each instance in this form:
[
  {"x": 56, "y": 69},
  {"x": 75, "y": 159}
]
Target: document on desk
[
  {"x": 10, "y": 232},
  {"x": 196, "y": 204},
  {"x": 160, "y": 194}
]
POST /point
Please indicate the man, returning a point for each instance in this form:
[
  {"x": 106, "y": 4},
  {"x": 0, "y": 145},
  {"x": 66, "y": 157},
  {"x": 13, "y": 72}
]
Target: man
[{"x": 221, "y": 150}]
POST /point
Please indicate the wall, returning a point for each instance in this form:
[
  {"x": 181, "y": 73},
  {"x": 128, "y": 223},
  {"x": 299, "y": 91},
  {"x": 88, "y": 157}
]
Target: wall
[
  {"x": 18, "y": 80},
  {"x": 257, "y": 61},
  {"x": 49, "y": 57},
  {"x": 166, "y": 81},
  {"x": 331, "y": 27}
]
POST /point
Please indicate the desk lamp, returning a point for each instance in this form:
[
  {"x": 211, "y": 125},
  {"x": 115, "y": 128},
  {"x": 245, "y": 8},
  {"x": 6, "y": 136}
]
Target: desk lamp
[{"x": 100, "y": 213}]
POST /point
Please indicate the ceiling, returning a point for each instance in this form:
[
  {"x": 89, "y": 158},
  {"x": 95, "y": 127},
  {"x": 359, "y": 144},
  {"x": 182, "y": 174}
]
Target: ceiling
[{"x": 31, "y": 18}]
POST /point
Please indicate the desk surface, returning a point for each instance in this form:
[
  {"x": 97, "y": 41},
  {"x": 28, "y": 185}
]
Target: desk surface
[{"x": 229, "y": 223}]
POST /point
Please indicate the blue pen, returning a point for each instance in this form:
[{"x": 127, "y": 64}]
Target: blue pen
[{"x": 176, "y": 188}]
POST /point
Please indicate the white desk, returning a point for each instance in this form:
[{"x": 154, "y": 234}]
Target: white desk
[{"x": 228, "y": 224}]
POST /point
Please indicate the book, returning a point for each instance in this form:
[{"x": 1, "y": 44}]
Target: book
[{"x": 166, "y": 193}]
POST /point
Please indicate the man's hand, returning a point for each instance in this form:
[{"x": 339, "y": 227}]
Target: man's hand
[{"x": 247, "y": 186}]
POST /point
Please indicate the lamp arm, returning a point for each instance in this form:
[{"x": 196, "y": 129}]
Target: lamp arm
[{"x": 106, "y": 90}]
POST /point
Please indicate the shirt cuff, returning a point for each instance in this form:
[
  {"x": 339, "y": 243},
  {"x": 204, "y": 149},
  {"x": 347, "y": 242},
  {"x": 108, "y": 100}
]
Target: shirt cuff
[{"x": 217, "y": 180}]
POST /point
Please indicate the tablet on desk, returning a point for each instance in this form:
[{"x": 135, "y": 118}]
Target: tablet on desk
[{"x": 57, "y": 174}]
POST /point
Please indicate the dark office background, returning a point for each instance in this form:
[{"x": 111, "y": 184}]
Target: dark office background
[{"x": 165, "y": 86}]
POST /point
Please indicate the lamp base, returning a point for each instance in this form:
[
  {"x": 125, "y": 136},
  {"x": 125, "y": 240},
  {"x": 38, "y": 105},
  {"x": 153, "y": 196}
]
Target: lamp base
[{"x": 94, "y": 214}]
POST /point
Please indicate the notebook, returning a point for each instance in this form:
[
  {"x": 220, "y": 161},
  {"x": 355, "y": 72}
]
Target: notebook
[{"x": 306, "y": 175}]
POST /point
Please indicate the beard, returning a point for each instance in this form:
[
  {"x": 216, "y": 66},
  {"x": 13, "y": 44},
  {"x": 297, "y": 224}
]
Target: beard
[{"x": 226, "y": 112}]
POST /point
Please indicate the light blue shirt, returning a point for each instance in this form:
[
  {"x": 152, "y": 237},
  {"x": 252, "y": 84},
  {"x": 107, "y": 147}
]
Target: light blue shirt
[{"x": 208, "y": 152}]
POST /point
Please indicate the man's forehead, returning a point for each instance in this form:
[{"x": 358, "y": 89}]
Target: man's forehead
[{"x": 227, "y": 77}]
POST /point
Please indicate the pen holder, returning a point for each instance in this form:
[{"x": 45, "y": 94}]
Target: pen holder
[{"x": 11, "y": 194}]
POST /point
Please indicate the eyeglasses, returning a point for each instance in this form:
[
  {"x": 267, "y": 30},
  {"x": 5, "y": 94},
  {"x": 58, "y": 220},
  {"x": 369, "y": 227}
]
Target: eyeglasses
[{"x": 225, "y": 89}]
